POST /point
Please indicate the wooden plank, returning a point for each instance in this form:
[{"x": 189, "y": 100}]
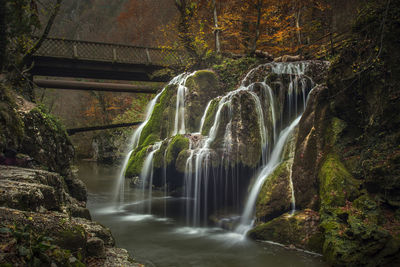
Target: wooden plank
[
  {"x": 73, "y": 131},
  {"x": 96, "y": 86}
]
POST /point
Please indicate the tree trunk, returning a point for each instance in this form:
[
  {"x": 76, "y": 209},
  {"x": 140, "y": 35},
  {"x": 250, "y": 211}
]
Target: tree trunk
[
  {"x": 298, "y": 30},
  {"x": 217, "y": 30},
  {"x": 3, "y": 39},
  {"x": 44, "y": 35},
  {"x": 257, "y": 30},
  {"x": 185, "y": 35}
]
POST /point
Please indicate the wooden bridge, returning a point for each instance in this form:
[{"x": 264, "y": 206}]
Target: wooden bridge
[{"x": 83, "y": 59}]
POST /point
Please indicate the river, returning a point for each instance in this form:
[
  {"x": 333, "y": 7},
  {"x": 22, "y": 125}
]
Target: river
[{"x": 164, "y": 240}]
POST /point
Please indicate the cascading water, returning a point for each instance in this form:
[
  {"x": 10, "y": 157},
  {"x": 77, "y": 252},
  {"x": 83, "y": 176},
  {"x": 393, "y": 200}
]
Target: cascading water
[
  {"x": 246, "y": 221},
  {"x": 179, "y": 80},
  {"x": 213, "y": 182},
  {"x": 179, "y": 126}
]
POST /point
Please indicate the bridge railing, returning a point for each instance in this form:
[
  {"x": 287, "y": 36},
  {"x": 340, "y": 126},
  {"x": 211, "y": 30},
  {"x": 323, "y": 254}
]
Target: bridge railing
[{"x": 118, "y": 53}]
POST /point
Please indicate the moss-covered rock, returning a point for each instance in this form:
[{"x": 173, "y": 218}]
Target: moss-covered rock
[
  {"x": 46, "y": 141},
  {"x": 354, "y": 232},
  {"x": 275, "y": 196},
  {"x": 210, "y": 116},
  {"x": 161, "y": 122},
  {"x": 203, "y": 86},
  {"x": 231, "y": 71},
  {"x": 136, "y": 161},
  {"x": 336, "y": 184},
  {"x": 176, "y": 146},
  {"x": 301, "y": 230}
]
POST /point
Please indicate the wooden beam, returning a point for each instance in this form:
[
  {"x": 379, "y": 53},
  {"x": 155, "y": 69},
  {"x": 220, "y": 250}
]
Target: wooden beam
[
  {"x": 103, "y": 127},
  {"x": 96, "y": 86}
]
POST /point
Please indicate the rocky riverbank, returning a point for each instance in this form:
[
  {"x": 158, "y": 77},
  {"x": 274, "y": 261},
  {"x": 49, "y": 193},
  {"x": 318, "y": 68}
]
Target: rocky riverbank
[{"x": 43, "y": 216}]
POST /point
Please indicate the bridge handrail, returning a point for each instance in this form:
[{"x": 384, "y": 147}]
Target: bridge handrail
[
  {"x": 107, "y": 43},
  {"x": 118, "y": 53}
]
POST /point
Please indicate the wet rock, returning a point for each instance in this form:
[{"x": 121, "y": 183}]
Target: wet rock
[
  {"x": 310, "y": 149},
  {"x": 95, "y": 247},
  {"x": 275, "y": 196},
  {"x": 301, "y": 230},
  {"x": 76, "y": 187},
  {"x": 203, "y": 86},
  {"x": 46, "y": 141}
]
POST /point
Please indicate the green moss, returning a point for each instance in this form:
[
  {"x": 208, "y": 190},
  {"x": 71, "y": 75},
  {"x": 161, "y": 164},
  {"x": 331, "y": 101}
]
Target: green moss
[
  {"x": 336, "y": 184},
  {"x": 210, "y": 116},
  {"x": 335, "y": 129},
  {"x": 177, "y": 144},
  {"x": 275, "y": 195},
  {"x": 230, "y": 71},
  {"x": 158, "y": 159},
  {"x": 136, "y": 161},
  {"x": 51, "y": 121},
  {"x": 159, "y": 125},
  {"x": 202, "y": 79},
  {"x": 180, "y": 163},
  {"x": 202, "y": 86},
  {"x": 300, "y": 230}
]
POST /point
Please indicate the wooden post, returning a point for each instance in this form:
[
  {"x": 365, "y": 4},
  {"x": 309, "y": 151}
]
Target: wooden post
[
  {"x": 148, "y": 55},
  {"x": 75, "y": 51},
  {"x": 114, "y": 55}
]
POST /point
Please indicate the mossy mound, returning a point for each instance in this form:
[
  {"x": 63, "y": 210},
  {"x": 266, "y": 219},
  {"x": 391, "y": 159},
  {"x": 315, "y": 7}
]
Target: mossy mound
[
  {"x": 136, "y": 161},
  {"x": 175, "y": 147},
  {"x": 165, "y": 156},
  {"x": 301, "y": 230},
  {"x": 160, "y": 124},
  {"x": 336, "y": 183},
  {"x": 231, "y": 71}
]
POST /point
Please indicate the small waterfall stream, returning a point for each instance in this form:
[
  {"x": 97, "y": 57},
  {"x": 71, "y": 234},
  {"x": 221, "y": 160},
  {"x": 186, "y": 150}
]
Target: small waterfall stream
[{"x": 278, "y": 106}]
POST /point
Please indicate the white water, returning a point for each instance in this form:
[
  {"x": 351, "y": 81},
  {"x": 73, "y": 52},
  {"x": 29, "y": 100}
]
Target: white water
[
  {"x": 146, "y": 174},
  {"x": 246, "y": 221},
  {"x": 204, "y": 116},
  {"x": 179, "y": 80},
  {"x": 119, "y": 189},
  {"x": 179, "y": 125}
]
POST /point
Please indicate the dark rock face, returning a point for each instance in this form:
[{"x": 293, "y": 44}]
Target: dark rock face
[
  {"x": 309, "y": 149},
  {"x": 47, "y": 208},
  {"x": 95, "y": 247},
  {"x": 46, "y": 141},
  {"x": 35, "y": 190}
]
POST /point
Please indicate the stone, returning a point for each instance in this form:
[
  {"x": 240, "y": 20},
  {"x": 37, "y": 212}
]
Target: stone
[{"x": 95, "y": 247}]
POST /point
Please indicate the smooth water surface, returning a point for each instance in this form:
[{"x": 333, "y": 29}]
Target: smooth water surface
[{"x": 164, "y": 239}]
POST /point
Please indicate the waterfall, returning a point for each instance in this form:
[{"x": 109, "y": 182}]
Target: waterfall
[
  {"x": 246, "y": 221},
  {"x": 146, "y": 175},
  {"x": 179, "y": 80},
  {"x": 119, "y": 189},
  {"x": 199, "y": 171},
  {"x": 213, "y": 181},
  {"x": 179, "y": 126}
]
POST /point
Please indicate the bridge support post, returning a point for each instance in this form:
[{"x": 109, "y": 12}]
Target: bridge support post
[{"x": 75, "y": 51}]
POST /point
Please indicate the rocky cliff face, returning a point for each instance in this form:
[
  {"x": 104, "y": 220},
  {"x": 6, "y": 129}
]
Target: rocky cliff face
[
  {"x": 346, "y": 163},
  {"x": 44, "y": 219}
]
